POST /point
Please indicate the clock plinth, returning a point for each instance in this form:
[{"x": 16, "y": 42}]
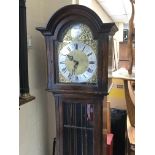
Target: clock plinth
[{"x": 77, "y": 44}]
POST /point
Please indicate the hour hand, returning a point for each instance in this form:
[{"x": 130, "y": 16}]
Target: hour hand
[
  {"x": 70, "y": 57},
  {"x": 75, "y": 67},
  {"x": 76, "y": 64}
]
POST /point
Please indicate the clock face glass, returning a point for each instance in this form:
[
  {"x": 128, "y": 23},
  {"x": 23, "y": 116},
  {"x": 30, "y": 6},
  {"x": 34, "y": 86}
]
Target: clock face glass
[{"x": 77, "y": 55}]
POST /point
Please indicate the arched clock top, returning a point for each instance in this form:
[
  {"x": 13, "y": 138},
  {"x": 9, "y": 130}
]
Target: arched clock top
[
  {"x": 74, "y": 13},
  {"x": 71, "y": 14}
]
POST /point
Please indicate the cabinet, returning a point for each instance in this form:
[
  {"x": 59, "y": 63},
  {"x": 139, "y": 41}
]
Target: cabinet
[{"x": 123, "y": 55}]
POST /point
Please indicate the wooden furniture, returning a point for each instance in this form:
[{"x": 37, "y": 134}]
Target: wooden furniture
[
  {"x": 123, "y": 55},
  {"x": 107, "y": 135},
  {"x": 131, "y": 39},
  {"x": 131, "y": 138},
  {"x": 23, "y": 56},
  {"x": 78, "y": 48},
  {"x": 129, "y": 85},
  {"x": 129, "y": 91},
  {"x": 130, "y": 102},
  {"x": 127, "y": 48}
]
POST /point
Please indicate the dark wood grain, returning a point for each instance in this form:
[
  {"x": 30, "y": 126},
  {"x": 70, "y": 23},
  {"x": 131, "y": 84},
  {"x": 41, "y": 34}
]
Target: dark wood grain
[{"x": 76, "y": 93}]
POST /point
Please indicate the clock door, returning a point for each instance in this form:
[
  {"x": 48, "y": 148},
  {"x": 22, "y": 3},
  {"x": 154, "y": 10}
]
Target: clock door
[{"x": 80, "y": 126}]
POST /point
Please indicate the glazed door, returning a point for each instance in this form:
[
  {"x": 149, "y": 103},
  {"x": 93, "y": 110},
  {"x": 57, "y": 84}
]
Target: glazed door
[{"x": 80, "y": 127}]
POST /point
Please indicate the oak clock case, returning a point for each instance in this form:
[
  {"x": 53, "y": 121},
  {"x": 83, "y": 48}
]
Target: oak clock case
[{"x": 77, "y": 46}]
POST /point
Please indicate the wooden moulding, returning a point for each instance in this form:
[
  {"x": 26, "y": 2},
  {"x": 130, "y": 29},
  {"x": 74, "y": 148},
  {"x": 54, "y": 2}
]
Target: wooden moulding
[
  {"x": 25, "y": 98},
  {"x": 130, "y": 101}
]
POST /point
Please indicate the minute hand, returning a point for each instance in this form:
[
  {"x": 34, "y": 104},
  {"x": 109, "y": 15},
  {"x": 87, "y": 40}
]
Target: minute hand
[{"x": 76, "y": 63}]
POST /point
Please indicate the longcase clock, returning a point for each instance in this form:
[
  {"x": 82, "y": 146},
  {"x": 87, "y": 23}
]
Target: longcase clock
[{"x": 78, "y": 48}]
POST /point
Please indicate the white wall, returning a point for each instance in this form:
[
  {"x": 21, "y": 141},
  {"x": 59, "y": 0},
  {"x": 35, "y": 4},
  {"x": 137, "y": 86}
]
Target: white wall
[
  {"x": 94, "y": 5},
  {"x": 119, "y": 33},
  {"x": 37, "y": 118}
]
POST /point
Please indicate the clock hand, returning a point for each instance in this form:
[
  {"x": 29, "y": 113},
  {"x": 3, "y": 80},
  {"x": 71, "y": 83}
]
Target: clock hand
[
  {"x": 75, "y": 66},
  {"x": 75, "y": 63},
  {"x": 70, "y": 57}
]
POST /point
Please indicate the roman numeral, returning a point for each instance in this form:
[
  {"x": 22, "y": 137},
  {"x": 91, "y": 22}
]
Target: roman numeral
[
  {"x": 84, "y": 75},
  {"x": 83, "y": 48},
  {"x": 76, "y": 46},
  {"x": 91, "y": 62},
  {"x": 89, "y": 70},
  {"x": 89, "y": 54},
  {"x": 62, "y": 62},
  {"x": 76, "y": 78},
  {"x": 69, "y": 49},
  {"x": 64, "y": 70},
  {"x": 69, "y": 76}
]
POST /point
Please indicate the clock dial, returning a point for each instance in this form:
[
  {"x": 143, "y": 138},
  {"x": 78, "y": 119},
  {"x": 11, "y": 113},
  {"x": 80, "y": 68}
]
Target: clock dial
[
  {"x": 77, "y": 55},
  {"x": 77, "y": 62}
]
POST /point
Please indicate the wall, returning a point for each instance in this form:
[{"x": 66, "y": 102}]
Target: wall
[
  {"x": 94, "y": 5},
  {"x": 119, "y": 33},
  {"x": 117, "y": 95},
  {"x": 37, "y": 118}
]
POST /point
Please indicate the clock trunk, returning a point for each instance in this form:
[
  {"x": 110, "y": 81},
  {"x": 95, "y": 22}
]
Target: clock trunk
[{"x": 79, "y": 104}]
